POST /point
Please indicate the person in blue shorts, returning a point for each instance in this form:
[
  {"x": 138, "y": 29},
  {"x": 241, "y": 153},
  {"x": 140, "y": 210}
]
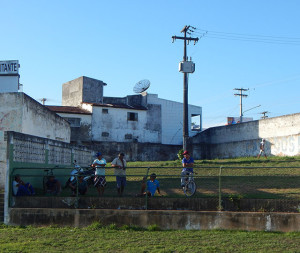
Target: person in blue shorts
[
  {"x": 119, "y": 164},
  {"x": 150, "y": 187},
  {"x": 22, "y": 189},
  {"x": 188, "y": 164}
]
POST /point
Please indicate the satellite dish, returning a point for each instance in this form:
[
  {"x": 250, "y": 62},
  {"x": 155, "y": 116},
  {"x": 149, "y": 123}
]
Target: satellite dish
[{"x": 141, "y": 86}]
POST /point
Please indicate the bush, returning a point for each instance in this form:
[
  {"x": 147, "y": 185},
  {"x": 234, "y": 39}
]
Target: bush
[{"x": 180, "y": 154}]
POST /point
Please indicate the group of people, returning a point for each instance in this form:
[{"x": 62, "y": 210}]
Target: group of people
[
  {"x": 149, "y": 187},
  {"x": 53, "y": 187},
  {"x": 119, "y": 164}
]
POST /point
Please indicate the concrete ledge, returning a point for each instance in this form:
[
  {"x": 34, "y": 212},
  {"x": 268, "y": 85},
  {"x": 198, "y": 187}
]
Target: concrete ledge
[
  {"x": 165, "y": 219},
  {"x": 157, "y": 203}
]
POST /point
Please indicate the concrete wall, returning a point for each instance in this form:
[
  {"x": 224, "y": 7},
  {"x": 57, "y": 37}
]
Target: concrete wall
[
  {"x": 21, "y": 113},
  {"x": 136, "y": 151},
  {"x": 82, "y": 89},
  {"x": 282, "y": 135},
  {"x": 172, "y": 119},
  {"x": 82, "y": 133},
  {"x": 186, "y": 220}
]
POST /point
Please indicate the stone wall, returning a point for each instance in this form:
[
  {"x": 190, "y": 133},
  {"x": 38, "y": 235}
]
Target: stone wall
[{"x": 27, "y": 151}]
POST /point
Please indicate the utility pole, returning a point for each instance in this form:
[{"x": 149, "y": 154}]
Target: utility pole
[
  {"x": 264, "y": 113},
  {"x": 241, "y": 101},
  {"x": 186, "y": 67},
  {"x": 43, "y": 100}
]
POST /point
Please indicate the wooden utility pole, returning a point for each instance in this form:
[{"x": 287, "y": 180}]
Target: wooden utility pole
[{"x": 186, "y": 30}]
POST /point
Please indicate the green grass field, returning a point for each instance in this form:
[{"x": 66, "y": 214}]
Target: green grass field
[{"x": 96, "y": 238}]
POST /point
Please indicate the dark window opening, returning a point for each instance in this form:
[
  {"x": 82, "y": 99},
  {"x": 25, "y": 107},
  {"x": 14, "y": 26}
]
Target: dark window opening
[
  {"x": 128, "y": 136},
  {"x": 105, "y": 134},
  {"x": 74, "y": 122},
  {"x": 132, "y": 116}
]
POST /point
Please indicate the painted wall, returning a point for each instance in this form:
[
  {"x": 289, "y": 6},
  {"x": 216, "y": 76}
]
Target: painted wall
[
  {"x": 282, "y": 135},
  {"x": 172, "y": 119},
  {"x": 115, "y": 126},
  {"x": 21, "y": 113}
]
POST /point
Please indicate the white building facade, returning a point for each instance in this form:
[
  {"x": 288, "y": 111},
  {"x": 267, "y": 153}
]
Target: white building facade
[{"x": 136, "y": 118}]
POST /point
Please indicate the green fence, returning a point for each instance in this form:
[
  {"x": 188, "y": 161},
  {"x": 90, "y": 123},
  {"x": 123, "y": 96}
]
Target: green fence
[{"x": 212, "y": 182}]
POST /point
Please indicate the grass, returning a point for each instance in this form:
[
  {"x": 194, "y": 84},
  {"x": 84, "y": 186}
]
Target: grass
[
  {"x": 275, "y": 178},
  {"x": 97, "y": 238}
]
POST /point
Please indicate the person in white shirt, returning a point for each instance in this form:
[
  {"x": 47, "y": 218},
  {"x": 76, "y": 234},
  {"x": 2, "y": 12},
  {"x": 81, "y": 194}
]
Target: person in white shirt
[
  {"x": 99, "y": 181},
  {"x": 22, "y": 189},
  {"x": 262, "y": 149},
  {"x": 119, "y": 164}
]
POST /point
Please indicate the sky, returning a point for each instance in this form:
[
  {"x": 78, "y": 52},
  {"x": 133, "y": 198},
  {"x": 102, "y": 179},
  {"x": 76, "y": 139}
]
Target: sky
[{"x": 250, "y": 44}]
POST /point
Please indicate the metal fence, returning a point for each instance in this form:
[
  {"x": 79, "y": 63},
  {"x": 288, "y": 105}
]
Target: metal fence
[{"x": 232, "y": 183}]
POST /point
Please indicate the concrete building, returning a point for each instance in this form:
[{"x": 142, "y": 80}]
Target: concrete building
[
  {"x": 134, "y": 118},
  {"x": 20, "y": 113}
]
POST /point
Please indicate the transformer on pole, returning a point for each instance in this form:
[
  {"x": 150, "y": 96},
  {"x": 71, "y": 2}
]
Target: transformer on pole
[{"x": 186, "y": 67}]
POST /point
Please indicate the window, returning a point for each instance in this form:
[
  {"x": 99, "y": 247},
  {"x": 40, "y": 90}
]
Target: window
[
  {"x": 74, "y": 122},
  {"x": 105, "y": 111},
  {"x": 128, "y": 136},
  {"x": 132, "y": 116},
  {"x": 105, "y": 134}
]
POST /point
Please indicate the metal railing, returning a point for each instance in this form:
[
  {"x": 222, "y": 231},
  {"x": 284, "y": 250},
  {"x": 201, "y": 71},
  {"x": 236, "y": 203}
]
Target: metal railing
[{"x": 216, "y": 182}]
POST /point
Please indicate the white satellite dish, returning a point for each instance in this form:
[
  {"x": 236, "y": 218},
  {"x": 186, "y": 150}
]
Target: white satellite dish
[{"x": 141, "y": 86}]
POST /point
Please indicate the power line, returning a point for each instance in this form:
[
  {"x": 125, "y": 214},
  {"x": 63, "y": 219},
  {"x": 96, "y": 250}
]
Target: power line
[{"x": 249, "y": 37}]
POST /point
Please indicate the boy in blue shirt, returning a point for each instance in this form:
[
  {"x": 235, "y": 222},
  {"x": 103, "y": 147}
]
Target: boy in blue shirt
[
  {"x": 152, "y": 186},
  {"x": 188, "y": 164}
]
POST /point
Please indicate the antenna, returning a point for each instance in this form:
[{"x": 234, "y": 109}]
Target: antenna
[
  {"x": 141, "y": 86},
  {"x": 43, "y": 100}
]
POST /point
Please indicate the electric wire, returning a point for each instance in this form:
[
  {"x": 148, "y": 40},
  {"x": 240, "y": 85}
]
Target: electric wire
[{"x": 248, "y": 37}]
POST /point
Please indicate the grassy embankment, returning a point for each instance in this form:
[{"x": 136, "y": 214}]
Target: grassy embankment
[
  {"x": 272, "y": 178},
  {"x": 275, "y": 177}
]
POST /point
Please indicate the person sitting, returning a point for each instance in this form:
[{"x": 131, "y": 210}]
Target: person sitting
[
  {"x": 22, "y": 189},
  {"x": 82, "y": 186},
  {"x": 53, "y": 186},
  {"x": 152, "y": 186}
]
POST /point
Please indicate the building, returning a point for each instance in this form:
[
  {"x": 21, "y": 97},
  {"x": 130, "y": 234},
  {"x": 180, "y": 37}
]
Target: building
[
  {"x": 142, "y": 118},
  {"x": 22, "y": 114}
]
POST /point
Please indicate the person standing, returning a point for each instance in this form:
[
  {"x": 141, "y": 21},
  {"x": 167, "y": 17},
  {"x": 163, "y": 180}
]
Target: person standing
[
  {"x": 99, "y": 181},
  {"x": 188, "y": 164},
  {"x": 262, "y": 149},
  {"x": 119, "y": 164}
]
